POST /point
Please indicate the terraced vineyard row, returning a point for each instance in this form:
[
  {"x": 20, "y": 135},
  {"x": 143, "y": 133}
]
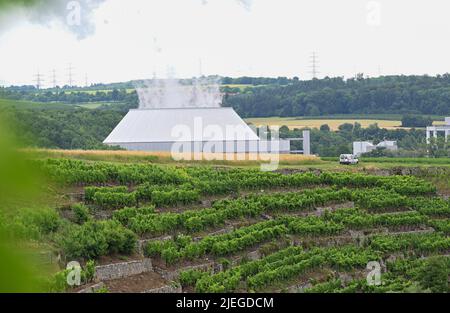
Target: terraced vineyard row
[
  {"x": 182, "y": 247},
  {"x": 291, "y": 262},
  {"x": 301, "y": 226}
]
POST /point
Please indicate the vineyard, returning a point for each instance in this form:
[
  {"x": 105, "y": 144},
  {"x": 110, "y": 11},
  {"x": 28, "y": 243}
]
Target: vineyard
[{"x": 208, "y": 229}]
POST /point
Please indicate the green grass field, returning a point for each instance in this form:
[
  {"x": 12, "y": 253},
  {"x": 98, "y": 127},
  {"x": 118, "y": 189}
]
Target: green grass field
[
  {"x": 52, "y": 105},
  {"x": 32, "y": 105},
  {"x": 96, "y": 105},
  {"x": 130, "y": 90},
  {"x": 240, "y": 86},
  {"x": 93, "y": 91},
  {"x": 408, "y": 161},
  {"x": 293, "y": 161}
]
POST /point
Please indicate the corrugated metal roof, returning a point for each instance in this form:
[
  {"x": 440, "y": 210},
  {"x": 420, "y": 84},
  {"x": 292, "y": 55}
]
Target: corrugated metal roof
[{"x": 166, "y": 125}]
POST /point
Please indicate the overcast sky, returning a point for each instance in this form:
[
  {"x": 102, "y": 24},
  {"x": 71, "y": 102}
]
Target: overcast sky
[{"x": 136, "y": 39}]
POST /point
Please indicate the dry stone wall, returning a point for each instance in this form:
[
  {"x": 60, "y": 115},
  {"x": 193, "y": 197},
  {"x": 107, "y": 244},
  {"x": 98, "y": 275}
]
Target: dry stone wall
[
  {"x": 93, "y": 288},
  {"x": 121, "y": 270},
  {"x": 165, "y": 289},
  {"x": 173, "y": 275}
]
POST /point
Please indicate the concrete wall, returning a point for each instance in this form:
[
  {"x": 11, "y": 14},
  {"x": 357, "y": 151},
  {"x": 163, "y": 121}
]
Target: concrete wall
[
  {"x": 211, "y": 146},
  {"x": 206, "y": 146}
]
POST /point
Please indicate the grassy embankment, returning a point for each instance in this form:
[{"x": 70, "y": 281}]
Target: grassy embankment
[{"x": 285, "y": 160}]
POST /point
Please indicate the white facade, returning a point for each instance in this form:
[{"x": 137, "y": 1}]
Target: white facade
[
  {"x": 433, "y": 130},
  {"x": 360, "y": 147}
]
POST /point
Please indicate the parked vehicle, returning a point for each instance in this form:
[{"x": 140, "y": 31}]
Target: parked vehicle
[{"x": 348, "y": 159}]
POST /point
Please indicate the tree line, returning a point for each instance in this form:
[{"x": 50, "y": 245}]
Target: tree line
[
  {"x": 68, "y": 95},
  {"x": 411, "y": 142},
  {"x": 284, "y": 96},
  {"x": 390, "y": 95}
]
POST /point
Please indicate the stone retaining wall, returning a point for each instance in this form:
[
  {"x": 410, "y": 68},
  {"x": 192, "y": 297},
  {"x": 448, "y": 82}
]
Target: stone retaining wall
[
  {"x": 121, "y": 270},
  {"x": 408, "y": 170},
  {"x": 298, "y": 288},
  {"x": 222, "y": 231},
  {"x": 173, "y": 275},
  {"x": 141, "y": 243},
  {"x": 165, "y": 289},
  {"x": 93, "y": 288}
]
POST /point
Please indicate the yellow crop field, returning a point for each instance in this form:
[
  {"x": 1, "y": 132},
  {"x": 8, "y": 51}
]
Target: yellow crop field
[
  {"x": 237, "y": 159},
  {"x": 316, "y": 123}
]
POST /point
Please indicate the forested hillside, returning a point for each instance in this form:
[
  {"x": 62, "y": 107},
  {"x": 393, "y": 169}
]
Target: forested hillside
[
  {"x": 259, "y": 96},
  {"x": 58, "y": 126},
  {"x": 70, "y": 127},
  {"x": 391, "y": 94}
]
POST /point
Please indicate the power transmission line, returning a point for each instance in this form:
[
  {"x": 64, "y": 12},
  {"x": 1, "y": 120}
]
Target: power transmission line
[
  {"x": 200, "y": 67},
  {"x": 54, "y": 78},
  {"x": 314, "y": 61},
  {"x": 38, "y": 79},
  {"x": 70, "y": 74}
]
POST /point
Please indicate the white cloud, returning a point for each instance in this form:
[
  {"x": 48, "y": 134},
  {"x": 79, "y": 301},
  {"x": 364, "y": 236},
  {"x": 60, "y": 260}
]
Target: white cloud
[{"x": 260, "y": 38}]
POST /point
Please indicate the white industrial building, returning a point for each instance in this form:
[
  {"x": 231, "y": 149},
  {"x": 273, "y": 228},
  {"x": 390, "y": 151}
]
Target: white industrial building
[
  {"x": 360, "y": 147},
  {"x": 439, "y": 128},
  {"x": 215, "y": 130}
]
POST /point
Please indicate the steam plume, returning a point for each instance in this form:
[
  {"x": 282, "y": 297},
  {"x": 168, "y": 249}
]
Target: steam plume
[{"x": 171, "y": 93}]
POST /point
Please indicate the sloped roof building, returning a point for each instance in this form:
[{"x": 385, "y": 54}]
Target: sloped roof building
[{"x": 190, "y": 129}]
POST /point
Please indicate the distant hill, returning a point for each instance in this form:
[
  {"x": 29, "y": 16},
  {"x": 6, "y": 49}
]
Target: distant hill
[
  {"x": 264, "y": 96},
  {"x": 383, "y": 95}
]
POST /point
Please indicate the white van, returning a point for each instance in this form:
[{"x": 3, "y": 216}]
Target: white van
[{"x": 348, "y": 159}]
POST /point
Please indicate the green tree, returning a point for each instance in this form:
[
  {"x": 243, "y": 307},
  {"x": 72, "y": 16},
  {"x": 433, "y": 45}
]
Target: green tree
[
  {"x": 416, "y": 121},
  {"x": 347, "y": 127},
  {"x": 434, "y": 275}
]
